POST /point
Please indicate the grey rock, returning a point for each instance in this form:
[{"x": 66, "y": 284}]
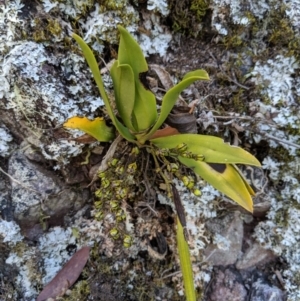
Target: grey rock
[
  {"x": 38, "y": 197},
  {"x": 254, "y": 256},
  {"x": 230, "y": 230},
  {"x": 264, "y": 292},
  {"x": 226, "y": 285},
  {"x": 6, "y": 210}
]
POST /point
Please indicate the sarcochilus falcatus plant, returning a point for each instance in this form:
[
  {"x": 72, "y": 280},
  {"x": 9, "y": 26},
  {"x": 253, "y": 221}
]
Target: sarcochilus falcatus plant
[{"x": 136, "y": 118}]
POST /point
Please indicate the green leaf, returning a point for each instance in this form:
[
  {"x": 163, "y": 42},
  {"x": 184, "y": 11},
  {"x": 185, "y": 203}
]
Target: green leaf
[
  {"x": 130, "y": 53},
  {"x": 214, "y": 149},
  {"x": 225, "y": 178},
  {"x": 144, "y": 108},
  {"x": 185, "y": 264},
  {"x": 90, "y": 58},
  {"x": 97, "y": 128},
  {"x": 124, "y": 88},
  {"x": 172, "y": 95}
]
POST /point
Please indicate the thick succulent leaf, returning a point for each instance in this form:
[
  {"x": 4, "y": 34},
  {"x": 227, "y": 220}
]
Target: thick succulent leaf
[
  {"x": 90, "y": 58},
  {"x": 124, "y": 88},
  {"x": 185, "y": 264},
  {"x": 131, "y": 54},
  {"x": 171, "y": 96},
  {"x": 97, "y": 128},
  {"x": 214, "y": 149},
  {"x": 225, "y": 178},
  {"x": 249, "y": 188},
  {"x": 144, "y": 108}
]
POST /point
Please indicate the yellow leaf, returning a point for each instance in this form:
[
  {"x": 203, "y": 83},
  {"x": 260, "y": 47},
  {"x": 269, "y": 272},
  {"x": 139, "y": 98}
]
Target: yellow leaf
[
  {"x": 225, "y": 178},
  {"x": 97, "y": 128}
]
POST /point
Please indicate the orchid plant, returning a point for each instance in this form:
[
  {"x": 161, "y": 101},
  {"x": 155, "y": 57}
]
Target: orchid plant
[{"x": 139, "y": 121}]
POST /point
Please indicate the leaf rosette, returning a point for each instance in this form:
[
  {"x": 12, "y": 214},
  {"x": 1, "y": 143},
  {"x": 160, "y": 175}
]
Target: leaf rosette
[{"x": 138, "y": 121}]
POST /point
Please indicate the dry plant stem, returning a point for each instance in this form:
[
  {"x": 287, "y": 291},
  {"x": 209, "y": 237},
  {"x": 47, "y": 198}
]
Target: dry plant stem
[
  {"x": 265, "y": 135},
  {"x": 158, "y": 169},
  {"x": 146, "y": 182},
  {"x": 110, "y": 153},
  {"x": 194, "y": 265},
  {"x": 19, "y": 183},
  {"x": 229, "y": 78},
  {"x": 179, "y": 207},
  {"x": 280, "y": 140}
]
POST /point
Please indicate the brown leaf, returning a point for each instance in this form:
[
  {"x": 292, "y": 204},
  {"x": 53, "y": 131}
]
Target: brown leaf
[
  {"x": 163, "y": 75},
  {"x": 179, "y": 207},
  {"x": 167, "y": 131},
  {"x": 182, "y": 120},
  {"x": 166, "y": 81},
  {"x": 66, "y": 277},
  {"x": 85, "y": 139}
]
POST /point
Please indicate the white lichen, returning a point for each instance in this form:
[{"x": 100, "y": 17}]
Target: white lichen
[
  {"x": 159, "y": 38},
  {"x": 39, "y": 91},
  {"x": 276, "y": 78},
  {"x": 272, "y": 166},
  {"x": 9, "y": 21},
  {"x": 237, "y": 11},
  {"x": 57, "y": 150},
  {"x": 49, "y": 5},
  {"x": 281, "y": 231},
  {"x": 101, "y": 24},
  {"x": 158, "y": 5},
  {"x": 5, "y": 139},
  {"x": 10, "y": 232},
  {"x": 293, "y": 12},
  {"x": 53, "y": 247},
  {"x": 197, "y": 210}
]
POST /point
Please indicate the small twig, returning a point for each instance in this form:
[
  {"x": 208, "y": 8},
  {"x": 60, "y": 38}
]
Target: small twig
[
  {"x": 144, "y": 204},
  {"x": 264, "y": 135},
  {"x": 180, "y": 210},
  {"x": 19, "y": 183},
  {"x": 107, "y": 66},
  {"x": 236, "y": 82},
  {"x": 194, "y": 265},
  {"x": 148, "y": 190},
  {"x": 279, "y": 140},
  {"x": 110, "y": 153},
  {"x": 104, "y": 164},
  {"x": 158, "y": 169},
  {"x": 228, "y": 77},
  {"x": 235, "y": 117}
]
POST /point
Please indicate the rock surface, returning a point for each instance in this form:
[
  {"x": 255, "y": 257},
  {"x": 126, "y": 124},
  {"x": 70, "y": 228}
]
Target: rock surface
[
  {"x": 38, "y": 197},
  {"x": 251, "y": 52}
]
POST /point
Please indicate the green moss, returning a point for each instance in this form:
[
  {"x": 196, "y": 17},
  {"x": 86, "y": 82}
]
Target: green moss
[
  {"x": 54, "y": 27},
  {"x": 199, "y": 8},
  {"x": 239, "y": 103},
  {"x": 84, "y": 6},
  {"x": 80, "y": 291},
  {"x": 45, "y": 29},
  {"x": 280, "y": 154},
  {"x": 234, "y": 39},
  {"x": 292, "y": 130},
  {"x": 280, "y": 32},
  {"x": 282, "y": 219},
  {"x": 187, "y": 16},
  {"x": 112, "y": 5}
]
